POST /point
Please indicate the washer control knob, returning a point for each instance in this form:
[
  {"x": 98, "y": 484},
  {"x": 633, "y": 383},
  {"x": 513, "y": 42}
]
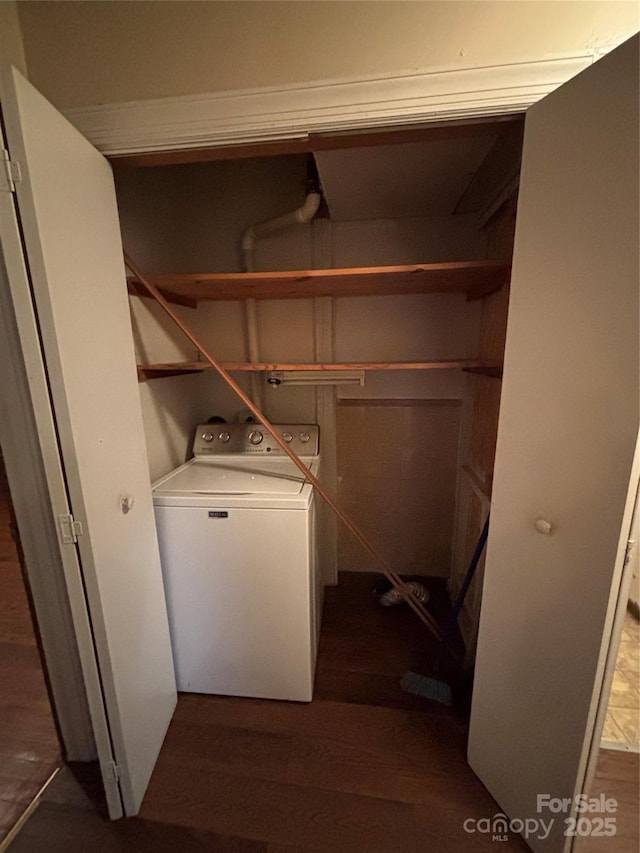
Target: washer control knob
[
  {"x": 286, "y": 436},
  {"x": 305, "y": 437},
  {"x": 255, "y": 437},
  {"x": 207, "y": 436},
  {"x": 224, "y": 436}
]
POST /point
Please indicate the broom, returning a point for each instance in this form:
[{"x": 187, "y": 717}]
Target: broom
[{"x": 431, "y": 687}]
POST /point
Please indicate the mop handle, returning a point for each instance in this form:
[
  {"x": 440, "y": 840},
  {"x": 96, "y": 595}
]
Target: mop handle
[{"x": 473, "y": 565}]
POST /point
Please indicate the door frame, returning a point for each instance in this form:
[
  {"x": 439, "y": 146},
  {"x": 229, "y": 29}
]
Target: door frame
[
  {"x": 615, "y": 616},
  {"x": 27, "y": 438},
  {"x": 259, "y": 115}
]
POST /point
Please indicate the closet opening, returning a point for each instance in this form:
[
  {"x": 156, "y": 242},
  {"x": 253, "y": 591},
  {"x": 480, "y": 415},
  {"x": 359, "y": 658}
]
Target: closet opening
[{"x": 381, "y": 318}]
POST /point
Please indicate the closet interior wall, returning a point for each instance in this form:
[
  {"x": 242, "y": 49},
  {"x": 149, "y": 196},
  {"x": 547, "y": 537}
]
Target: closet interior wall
[
  {"x": 190, "y": 219},
  {"x": 475, "y": 471}
]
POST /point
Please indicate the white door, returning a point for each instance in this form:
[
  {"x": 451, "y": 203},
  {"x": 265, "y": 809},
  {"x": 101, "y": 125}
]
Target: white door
[
  {"x": 67, "y": 213},
  {"x": 568, "y": 427}
]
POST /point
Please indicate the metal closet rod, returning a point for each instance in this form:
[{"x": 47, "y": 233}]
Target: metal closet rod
[{"x": 423, "y": 614}]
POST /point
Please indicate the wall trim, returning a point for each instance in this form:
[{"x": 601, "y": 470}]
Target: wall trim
[{"x": 267, "y": 114}]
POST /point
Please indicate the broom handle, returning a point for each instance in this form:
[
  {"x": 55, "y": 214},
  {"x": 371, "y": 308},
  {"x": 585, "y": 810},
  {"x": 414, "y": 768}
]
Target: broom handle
[
  {"x": 450, "y": 624},
  {"x": 473, "y": 565},
  {"x": 423, "y": 614}
]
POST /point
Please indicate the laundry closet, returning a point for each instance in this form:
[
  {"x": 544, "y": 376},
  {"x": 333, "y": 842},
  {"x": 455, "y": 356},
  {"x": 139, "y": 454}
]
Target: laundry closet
[
  {"x": 410, "y": 219},
  {"x": 564, "y": 469}
]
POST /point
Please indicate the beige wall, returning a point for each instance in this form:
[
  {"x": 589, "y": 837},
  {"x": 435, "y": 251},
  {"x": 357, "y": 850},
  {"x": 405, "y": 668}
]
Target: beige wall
[
  {"x": 11, "y": 47},
  {"x": 82, "y": 53},
  {"x": 397, "y": 468}
]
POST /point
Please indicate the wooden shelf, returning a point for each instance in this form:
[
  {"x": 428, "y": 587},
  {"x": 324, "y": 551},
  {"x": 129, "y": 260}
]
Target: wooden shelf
[
  {"x": 157, "y": 371},
  {"x": 475, "y": 278},
  {"x": 494, "y": 371}
]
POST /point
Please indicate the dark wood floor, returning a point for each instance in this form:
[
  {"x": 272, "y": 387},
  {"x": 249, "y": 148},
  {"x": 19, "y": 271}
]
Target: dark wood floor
[
  {"x": 29, "y": 750},
  {"x": 364, "y": 767}
]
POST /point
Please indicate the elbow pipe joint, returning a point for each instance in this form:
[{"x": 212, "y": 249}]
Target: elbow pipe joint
[{"x": 301, "y": 216}]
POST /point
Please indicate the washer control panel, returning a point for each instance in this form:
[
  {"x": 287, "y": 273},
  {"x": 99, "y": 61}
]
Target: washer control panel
[{"x": 214, "y": 439}]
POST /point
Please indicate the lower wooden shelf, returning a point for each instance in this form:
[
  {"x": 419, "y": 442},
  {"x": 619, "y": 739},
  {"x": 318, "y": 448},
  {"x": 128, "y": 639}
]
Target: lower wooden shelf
[
  {"x": 157, "y": 371},
  {"x": 494, "y": 371}
]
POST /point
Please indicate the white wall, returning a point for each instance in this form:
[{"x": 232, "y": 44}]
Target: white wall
[
  {"x": 82, "y": 53},
  {"x": 191, "y": 218},
  {"x": 171, "y": 408}
]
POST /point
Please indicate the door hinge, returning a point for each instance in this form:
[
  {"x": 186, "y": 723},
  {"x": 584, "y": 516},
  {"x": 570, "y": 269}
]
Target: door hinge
[
  {"x": 70, "y": 529},
  {"x": 114, "y": 770},
  {"x": 627, "y": 554},
  {"x": 10, "y": 173}
]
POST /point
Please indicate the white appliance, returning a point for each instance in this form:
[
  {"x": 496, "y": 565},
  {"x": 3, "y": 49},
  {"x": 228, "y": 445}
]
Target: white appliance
[{"x": 236, "y": 527}]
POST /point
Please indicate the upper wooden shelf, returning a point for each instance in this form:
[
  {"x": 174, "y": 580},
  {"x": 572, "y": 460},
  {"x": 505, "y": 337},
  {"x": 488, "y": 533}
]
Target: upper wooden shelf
[{"x": 475, "y": 278}]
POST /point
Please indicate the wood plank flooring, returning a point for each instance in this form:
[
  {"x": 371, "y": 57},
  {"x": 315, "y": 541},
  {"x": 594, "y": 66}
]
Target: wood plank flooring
[
  {"x": 617, "y": 776},
  {"x": 364, "y": 767},
  {"x": 29, "y": 750},
  {"x": 622, "y": 724}
]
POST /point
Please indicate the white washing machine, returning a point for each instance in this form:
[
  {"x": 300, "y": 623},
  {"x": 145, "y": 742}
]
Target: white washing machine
[{"x": 236, "y": 527}]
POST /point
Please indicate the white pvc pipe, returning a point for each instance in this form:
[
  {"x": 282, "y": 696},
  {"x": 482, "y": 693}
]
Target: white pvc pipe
[{"x": 299, "y": 216}]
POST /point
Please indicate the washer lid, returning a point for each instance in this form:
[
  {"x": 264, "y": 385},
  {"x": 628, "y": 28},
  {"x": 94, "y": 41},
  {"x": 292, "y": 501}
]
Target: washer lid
[{"x": 235, "y": 477}]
